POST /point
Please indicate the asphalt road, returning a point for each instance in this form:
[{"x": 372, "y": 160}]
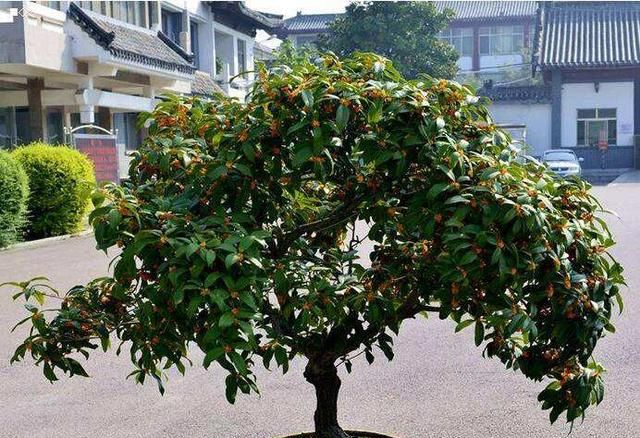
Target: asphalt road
[{"x": 438, "y": 385}]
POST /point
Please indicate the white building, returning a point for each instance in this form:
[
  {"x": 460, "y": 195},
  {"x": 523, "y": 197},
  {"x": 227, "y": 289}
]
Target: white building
[{"x": 64, "y": 63}]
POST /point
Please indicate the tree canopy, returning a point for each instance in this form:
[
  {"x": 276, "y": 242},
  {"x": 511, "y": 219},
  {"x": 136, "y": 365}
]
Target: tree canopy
[
  {"x": 235, "y": 233},
  {"x": 405, "y": 32}
]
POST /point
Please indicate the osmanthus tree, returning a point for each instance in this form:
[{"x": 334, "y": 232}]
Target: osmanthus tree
[{"x": 236, "y": 235}]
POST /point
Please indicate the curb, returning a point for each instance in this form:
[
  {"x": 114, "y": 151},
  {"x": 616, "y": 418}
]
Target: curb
[
  {"x": 632, "y": 177},
  {"x": 45, "y": 241}
]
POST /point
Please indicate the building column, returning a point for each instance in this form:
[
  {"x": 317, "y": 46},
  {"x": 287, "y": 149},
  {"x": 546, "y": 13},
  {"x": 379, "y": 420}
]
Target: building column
[
  {"x": 185, "y": 35},
  {"x": 556, "y": 109},
  {"x": 235, "y": 67},
  {"x": 636, "y": 120},
  {"x": 37, "y": 112},
  {"x": 475, "y": 57}
]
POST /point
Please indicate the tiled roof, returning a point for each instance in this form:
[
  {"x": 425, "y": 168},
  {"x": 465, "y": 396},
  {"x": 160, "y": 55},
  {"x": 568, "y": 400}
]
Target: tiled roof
[
  {"x": 588, "y": 35},
  {"x": 132, "y": 43},
  {"x": 204, "y": 85},
  {"x": 526, "y": 93},
  {"x": 488, "y": 10},
  {"x": 312, "y": 23},
  {"x": 238, "y": 15},
  {"x": 464, "y": 11}
]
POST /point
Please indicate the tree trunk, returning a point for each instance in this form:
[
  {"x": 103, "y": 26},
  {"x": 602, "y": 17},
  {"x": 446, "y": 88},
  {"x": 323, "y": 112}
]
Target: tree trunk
[{"x": 322, "y": 374}]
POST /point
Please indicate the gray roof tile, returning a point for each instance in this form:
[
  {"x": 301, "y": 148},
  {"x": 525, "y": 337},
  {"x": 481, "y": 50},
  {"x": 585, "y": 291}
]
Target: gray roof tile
[
  {"x": 589, "y": 34},
  {"x": 131, "y": 43},
  {"x": 525, "y": 93},
  {"x": 464, "y": 11},
  {"x": 302, "y": 23},
  {"x": 204, "y": 85},
  {"x": 488, "y": 10}
]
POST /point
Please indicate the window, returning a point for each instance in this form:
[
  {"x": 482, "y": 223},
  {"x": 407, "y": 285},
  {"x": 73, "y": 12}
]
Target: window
[
  {"x": 131, "y": 12},
  {"x": 195, "y": 45},
  {"x": 305, "y": 40},
  {"x": 460, "y": 38},
  {"x": 596, "y": 125},
  {"x": 172, "y": 25},
  {"x": 128, "y": 135},
  {"x": 6, "y": 127},
  {"x": 501, "y": 40},
  {"x": 50, "y": 4},
  {"x": 55, "y": 125},
  {"x": 242, "y": 56}
]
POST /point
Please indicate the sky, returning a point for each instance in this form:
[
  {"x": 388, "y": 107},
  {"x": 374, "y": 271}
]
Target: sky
[{"x": 288, "y": 8}]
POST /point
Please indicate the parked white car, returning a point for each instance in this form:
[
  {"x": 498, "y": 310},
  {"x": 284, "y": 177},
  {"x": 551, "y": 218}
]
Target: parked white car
[{"x": 563, "y": 162}]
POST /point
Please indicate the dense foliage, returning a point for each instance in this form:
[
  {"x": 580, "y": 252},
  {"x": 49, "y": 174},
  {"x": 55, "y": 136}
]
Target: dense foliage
[
  {"x": 237, "y": 235},
  {"x": 405, "y": 32},
  {"x": 14, "y": 191},
  {"x": 61, "y": 180}
]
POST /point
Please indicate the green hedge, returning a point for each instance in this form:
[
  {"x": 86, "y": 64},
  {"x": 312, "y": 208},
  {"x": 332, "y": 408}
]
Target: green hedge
[
  {"x": 61, "y": 180},
  {"x": 14, "y": 192}
]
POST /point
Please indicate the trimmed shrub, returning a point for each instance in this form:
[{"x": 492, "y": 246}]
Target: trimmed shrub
[
  {"x": 60, "y": 180},
  {"x": 14, "y": 191}
]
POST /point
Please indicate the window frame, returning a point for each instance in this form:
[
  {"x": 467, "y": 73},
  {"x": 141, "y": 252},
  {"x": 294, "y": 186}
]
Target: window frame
[
  {"x": 133, "y": 12},
  {"x": 169, "y": 17},
  {"x": 583, "y": 124},
  {"x": 195, "y": 42},
  {"x": 465, "y": 34},
  {"x": 242, "y": 59},
  {"x": 495, "y": 35}
]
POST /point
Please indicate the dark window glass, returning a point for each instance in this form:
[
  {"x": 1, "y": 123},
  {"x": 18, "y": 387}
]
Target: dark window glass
[
  {"x": 612, "y": 132},
  {"x": 195, "y": 45},
  {"x": 6, "y": 127},
  {"x": 484, "y": 45},
  {"x": 580, "y": 132},
  {"x": 55, "y": 131},
  {"x": 586, "y": 114},
  {"x": 242, "y": 56},
  {"x": 607, "y": 113},
  {"x": 172, "y": 25},
  {"x": 22, "y": 125}
]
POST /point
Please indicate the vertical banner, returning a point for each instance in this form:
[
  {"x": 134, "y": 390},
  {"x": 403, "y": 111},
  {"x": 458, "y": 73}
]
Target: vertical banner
[{"x": 103, "y": 151}]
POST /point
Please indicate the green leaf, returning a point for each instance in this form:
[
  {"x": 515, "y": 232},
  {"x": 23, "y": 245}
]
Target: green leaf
[
  {"x": 302, "y": 156},
  {"x": 479, "y": 333},
  {"x": 249, "y": 152},
  {"x": 620, "y": 302},
  {"x": 281, "y": 358},
  {"x": 307, "y": 97},
  {"x": 342, "y": 117},
  {"x": 239, "y": 363},
  {"x": 231, "y": 388},
  {"x": 226, "y": 320},
  {"x": 464, "y": 324},
  {"x": 436, "y": 189}
]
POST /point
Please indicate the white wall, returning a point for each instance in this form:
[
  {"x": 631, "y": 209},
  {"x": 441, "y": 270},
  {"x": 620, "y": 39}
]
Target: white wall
[
  {"x": 488, "y": 61},
  {"x": 617, "y": 95},
  {"x": 537, "y": 117}
]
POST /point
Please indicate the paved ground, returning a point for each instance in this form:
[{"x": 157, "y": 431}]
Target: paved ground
[{"x": 438, "y": 385}]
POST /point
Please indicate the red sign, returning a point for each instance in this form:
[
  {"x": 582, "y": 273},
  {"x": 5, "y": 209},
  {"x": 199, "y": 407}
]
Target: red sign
[{"x": 103, "y": 152}]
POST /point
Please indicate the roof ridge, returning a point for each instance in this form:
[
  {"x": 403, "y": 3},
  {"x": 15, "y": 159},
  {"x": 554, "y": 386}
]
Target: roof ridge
[
  {"x": 89, "y": 25},
  {"x": 175, "y": 47}
]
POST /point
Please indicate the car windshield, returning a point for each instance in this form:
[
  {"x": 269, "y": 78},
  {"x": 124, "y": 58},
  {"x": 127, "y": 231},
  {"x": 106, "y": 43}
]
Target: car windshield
[{"x": 559, "y": 156}]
